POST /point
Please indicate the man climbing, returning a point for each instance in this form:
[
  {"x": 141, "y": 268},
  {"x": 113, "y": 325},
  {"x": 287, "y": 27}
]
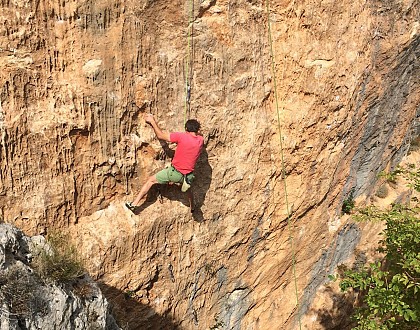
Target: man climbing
[{"x": 189, "y": 145}]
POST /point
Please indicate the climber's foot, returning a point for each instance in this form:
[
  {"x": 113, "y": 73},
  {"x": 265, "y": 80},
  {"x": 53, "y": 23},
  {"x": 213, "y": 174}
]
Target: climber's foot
[{"x": 130, "y": 206}]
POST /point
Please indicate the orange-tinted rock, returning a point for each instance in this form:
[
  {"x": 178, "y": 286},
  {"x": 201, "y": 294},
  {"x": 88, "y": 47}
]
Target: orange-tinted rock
[{"x": 76, "y": 78}]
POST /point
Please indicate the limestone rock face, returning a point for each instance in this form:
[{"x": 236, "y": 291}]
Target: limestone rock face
[
  {"x": 322, "y": 93},
  {"x": 29, "y": 303}
]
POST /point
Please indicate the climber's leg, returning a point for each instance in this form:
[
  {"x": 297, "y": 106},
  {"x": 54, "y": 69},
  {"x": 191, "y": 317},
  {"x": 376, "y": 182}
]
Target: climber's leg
[{"x": 144, "y": 190}]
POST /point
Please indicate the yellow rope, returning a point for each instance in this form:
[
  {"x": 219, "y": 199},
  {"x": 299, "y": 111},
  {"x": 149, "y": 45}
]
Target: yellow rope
[
  {"x": 187, "y": 68},
  {"x": 283, "y": 172}
]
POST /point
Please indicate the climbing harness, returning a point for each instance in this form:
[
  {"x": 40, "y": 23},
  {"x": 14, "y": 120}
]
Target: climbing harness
[
  {"x": 283, "y": 171},
  {"x": 187, "y": 181}
]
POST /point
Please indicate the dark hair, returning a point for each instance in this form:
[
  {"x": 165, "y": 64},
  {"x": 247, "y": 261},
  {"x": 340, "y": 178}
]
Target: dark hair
[{"x": 192, "y": 125}]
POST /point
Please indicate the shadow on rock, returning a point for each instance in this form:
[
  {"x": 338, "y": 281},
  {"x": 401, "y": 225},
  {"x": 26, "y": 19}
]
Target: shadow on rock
[
  {"x": 338, "y": 317},
  {"x": 203, "y": 173},
  {"x": 131, "y": 314}
]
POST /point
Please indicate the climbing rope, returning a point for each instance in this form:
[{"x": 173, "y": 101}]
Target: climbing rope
[
  {"x": 188, "y": 63},
  {"x": 283, "y": 171},
  {"x": 188, "y": 67}
]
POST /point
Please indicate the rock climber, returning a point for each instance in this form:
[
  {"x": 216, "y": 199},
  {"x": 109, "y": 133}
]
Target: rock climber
[{"x": 189, "y": 145}]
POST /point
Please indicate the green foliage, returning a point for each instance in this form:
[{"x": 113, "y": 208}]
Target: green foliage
[
  {"x": 130, "y": 293},
  {"x": 391, "y": 177},
  {"x": 390, "y": 289},
  {"x": 348, "y": 203},
  {"x": 59, "y": 262},
  {"x": 410, "y": 172},
  {"x": 370, "y": 213},
  {"x": 332, "y": 277}
]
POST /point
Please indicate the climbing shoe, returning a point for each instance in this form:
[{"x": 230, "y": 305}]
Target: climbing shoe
[{"x": 130, "y": 206}]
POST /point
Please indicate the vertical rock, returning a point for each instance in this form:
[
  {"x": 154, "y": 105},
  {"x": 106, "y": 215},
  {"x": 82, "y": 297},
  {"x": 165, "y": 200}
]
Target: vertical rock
[{"x": 76, "y": 79}]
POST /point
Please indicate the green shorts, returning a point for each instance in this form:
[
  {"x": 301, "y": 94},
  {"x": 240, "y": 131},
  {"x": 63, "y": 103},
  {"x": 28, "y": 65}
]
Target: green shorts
[{"x": 169, "y": 174}]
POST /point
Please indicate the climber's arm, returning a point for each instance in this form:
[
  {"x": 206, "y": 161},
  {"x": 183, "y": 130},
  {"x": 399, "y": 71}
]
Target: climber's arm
[{"x": 161, "y": 135}]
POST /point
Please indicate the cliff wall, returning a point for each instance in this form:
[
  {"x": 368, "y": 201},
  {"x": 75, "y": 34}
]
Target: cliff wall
[{"x": 78, "y": 75}]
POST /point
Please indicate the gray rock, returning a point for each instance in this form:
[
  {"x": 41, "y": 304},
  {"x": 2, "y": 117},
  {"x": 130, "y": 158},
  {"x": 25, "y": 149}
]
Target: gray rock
[{"x": 28, "y": 302}]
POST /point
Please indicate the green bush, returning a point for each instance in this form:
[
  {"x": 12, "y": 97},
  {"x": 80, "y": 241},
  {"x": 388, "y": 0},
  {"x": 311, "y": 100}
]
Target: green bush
[
  {"x": 348, "y": 204},
  {"x": 390, "y": 288},
  {"x": 59, "y": 261},
  {"x": 410, "y": 172},
  {"x": 391, "y": 177}
]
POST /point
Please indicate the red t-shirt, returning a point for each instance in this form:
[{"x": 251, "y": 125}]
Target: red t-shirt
[{"x": 187, "y": 151}]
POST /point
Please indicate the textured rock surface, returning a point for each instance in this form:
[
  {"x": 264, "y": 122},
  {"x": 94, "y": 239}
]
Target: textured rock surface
[
  {"x": 74, "y": 146},
  {"x": 29, "y": 303}
]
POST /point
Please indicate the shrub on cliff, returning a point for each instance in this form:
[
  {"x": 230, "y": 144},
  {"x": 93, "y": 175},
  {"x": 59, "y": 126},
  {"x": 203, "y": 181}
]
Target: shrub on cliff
[
  {"x": 21, "y": 293},
  {"x": 390, "y": 288},
  {"x": 382, "y": 191},
  {"x": 59, "y": 260},
  {"x": 410, "y": 172},
  {"x": 348, "y": 203}
]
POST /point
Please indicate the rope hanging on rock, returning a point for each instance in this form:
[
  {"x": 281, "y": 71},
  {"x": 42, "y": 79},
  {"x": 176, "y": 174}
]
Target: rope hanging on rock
[
  {"x": 283, "y": 170},
  {"x": 188, "y": 66}
]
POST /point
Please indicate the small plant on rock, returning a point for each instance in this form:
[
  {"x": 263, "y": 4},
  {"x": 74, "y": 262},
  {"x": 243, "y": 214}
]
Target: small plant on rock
[
  {"x": 348, "y": 203},
  {"x": 391, "y": 177},
  {"x": 58, "y": 260},
  {"x": 412, "y": 174},
  {"x": 21, "y": 292},
  {"x": 382, "y": 191}
]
